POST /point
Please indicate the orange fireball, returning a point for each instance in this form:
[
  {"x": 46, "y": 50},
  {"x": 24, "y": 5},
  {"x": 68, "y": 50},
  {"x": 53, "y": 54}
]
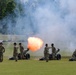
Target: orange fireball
[{"x": 34, "y": 43}]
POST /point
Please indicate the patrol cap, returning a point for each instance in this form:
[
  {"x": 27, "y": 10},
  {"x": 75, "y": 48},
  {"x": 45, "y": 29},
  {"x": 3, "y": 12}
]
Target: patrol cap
[
  {"x": 46, "y": 44},
  {"x": 52, "y": 44}
]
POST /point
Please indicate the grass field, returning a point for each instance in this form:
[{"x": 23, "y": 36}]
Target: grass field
[{"x": 35, "y": 67}]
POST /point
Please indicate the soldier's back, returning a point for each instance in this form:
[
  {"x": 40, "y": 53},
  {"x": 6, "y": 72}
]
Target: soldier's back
[{"x": 1, "y": 48}]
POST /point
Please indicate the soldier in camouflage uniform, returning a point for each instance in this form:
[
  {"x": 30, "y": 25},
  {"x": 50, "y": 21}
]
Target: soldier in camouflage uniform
[
  {"x": 53, "y": 50},
  {"x": 21, "y": 50},
  {"x": 15, "y": 52},
  {"x": 46, "y": 52},
  {"x": 74, "y": 54},
  {"x": 2, "y": 50}
]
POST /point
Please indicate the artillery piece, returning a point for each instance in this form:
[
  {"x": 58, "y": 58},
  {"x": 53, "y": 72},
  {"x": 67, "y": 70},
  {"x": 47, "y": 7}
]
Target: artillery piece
[{"x": 57, "y": 56}]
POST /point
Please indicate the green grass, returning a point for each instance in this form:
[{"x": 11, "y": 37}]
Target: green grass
[{"x": 35, "y": 67}]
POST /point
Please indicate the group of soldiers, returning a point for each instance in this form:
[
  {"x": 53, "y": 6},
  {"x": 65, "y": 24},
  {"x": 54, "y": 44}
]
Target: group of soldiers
[
  {"x": 15, "y": 51},
  {"x": 22, "y": 51},
  {"x": 54, "y": 52},
  {"x": 46, "y": 51}
]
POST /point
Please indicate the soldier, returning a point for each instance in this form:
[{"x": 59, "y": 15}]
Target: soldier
[
  {"x": 74, "y": 54},
  {"x": 53, "y": 51},
  {"x": 2, "y": 50},
  {"x": 21, "y": 49},
  {"x": 46, "y": 52},
  {"x": 15, "y": 52}
]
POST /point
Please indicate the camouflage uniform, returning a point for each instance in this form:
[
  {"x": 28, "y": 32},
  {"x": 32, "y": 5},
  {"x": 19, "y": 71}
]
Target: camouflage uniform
[
  {"x": 15, "y": 53},
  {"x": 21, "y": 50},
  {"x": 2, "y": 50},
  {"x": 74, "y": 54},
  {"x": 53, "y": 51},
  {"x": 46, "y": 53}
]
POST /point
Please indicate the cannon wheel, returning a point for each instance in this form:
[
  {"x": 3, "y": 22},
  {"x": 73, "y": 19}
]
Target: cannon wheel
[
  {"x": 27, "y": 56},
  {"x": 58, "y": 56}
]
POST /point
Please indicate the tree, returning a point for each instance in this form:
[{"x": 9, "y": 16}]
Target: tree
[{"x": 6, "y": 7}]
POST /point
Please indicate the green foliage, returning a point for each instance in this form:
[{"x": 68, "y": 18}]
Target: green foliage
[
  {"x": 10, "y": 7},
  {"x": 6, "y": 7}
]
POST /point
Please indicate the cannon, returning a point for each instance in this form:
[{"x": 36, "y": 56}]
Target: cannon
[
  {"x": 57, "y": 56},
  {"x": 25, "y": 56},
  {"x": 73, "y": 58}
]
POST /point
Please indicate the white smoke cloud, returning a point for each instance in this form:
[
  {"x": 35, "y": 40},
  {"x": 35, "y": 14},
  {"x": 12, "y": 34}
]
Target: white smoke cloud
[
  {"x": 24, "y": 1},
  {"x": 55, "y": 22},
  {"x": 52, "y": 20}
]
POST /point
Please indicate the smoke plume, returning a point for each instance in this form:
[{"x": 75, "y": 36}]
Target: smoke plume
[{"x": 51, "y": 20}]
